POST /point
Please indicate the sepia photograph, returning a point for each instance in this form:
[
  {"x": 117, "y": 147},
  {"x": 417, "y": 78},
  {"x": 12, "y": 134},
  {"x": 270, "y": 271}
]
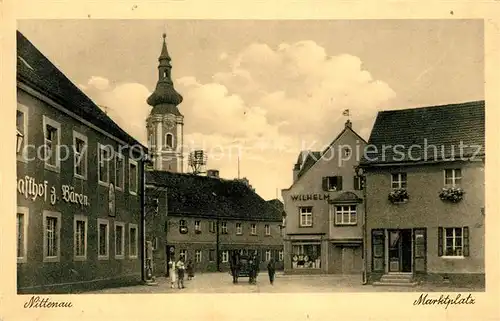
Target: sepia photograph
[{"x": 246, "y": 156}]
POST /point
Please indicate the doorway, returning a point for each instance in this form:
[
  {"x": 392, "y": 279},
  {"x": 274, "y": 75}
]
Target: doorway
[{"x": 400, "y": 250}]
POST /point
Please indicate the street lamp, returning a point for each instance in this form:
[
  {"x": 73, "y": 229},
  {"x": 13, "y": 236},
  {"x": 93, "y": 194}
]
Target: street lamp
[{"x": 20, "y": 138}]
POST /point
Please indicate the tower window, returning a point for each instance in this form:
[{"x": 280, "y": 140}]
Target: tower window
[
  {"x": 165, "y": 74},
  {"x": 169, "y": 140}
]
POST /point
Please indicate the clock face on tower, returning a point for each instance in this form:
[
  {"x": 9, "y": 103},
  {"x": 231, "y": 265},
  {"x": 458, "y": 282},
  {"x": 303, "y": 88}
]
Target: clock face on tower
[{"x": 169, "y": 124}]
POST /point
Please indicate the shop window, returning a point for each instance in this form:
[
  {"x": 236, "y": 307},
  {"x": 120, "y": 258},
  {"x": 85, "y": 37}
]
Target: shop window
[
  {"x": 453, "y": 241},
  {"x": 345, "y": 215},
  {"x": 80, "y": 226},
  {"x": 332, "y": 183},
  {"x": 378, "y": 250},
  {"x": 398, "y": 180},
  {"x": 306, "y": 256}
]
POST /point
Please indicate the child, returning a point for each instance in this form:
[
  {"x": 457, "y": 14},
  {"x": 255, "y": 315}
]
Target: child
[
  {"x": 180, "y": 272},
  {"x": 173, "y": 273},
  {"x": 190, "y": 270}
]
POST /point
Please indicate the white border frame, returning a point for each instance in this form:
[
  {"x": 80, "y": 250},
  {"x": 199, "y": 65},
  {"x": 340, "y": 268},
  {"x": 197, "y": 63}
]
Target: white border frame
[
  {"x": 25, "y": 211},
  {"x": 48, "y": 121},
  {"x": 57, "y": 215},
  {"x": 99, "y": 222},
  {"x": 86, "y": 141},
  {"x": 79, "y": 217}
]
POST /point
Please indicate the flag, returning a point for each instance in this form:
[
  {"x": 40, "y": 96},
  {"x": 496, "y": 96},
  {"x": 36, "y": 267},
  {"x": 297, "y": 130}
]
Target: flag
[{"x": 346, "y": 113}]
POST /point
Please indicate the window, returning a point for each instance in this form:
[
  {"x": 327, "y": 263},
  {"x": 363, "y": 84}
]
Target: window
[
  {"x": 225, "y": 256},
  {"x": 345, "y": 215},
  {"x": 398, "y": 180},
  {"x": 184, "y": 254},
  {"x": 268, "y": 229},
  {"x": 22, "y": 234},
  {"x": 306, "y": 256},
  {"x": 239, "y": 230},
  {"x": 51, "y": 132},
  {"x": 132, "y": 178},
  {"x": 197, "y": 256},
  {"x": 253, "y": 228},
  {"x": 132, "y": 237},
  {"x": 119, "y": 171},
  {"x": 452, "y": 177},
  {"x": 268, "y": 255},
  {"x": 211, "y": 255},
  {"x": 22, "y": 128},
  {"x": 183, "y": 227},
  {"x": 211, "y": 227},
  {"x": 103, "y": 239},
  {"x": 332, "y": 183},
  {"x": 103, "y": 160},
  {"x": 223, "y": 226},
  {"x": 347, "y": 152},
  {"x": 51, "y": 236},
  {"x": 453, "y": 241},
  {"x": 280, "y": 255},
  {"x": 197, "y": 226},
  {"x": 358, "y": 183},
  {"x": 80, "y": 226},
  {"x": 80, "y": 147},
  {"x": 169, "y": 141},
  {"x": 119, "y": 240},
  {"x": 305, "y": 216}
]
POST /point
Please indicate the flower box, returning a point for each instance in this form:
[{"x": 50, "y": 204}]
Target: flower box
[
  {"x": 399, "y": 195},
  {"x": 451, "y": 194}
]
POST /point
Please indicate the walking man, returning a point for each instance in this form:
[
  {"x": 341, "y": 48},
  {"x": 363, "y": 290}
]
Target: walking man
[{"x": 271, "y": 270}]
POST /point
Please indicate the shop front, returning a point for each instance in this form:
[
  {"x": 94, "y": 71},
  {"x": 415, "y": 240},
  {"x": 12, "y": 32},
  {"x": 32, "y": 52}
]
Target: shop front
[{"x": 306, "y": 255}]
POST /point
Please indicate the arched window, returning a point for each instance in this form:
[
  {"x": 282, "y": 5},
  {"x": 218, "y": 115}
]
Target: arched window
[{"x": 169, "y": 140}]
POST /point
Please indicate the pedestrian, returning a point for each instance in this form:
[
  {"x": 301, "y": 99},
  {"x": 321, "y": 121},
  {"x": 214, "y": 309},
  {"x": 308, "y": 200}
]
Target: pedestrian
[
  {"x": 172, "y": 271},
  {"x": 250, "y": 270},
  {"x": 271, "y": 270},
  {"x": 180, "y": 272},
  {"x": 190, "y": 270}
]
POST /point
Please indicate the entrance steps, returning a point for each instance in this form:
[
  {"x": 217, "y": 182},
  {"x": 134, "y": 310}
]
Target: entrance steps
[{"x": 396, "y": 279}]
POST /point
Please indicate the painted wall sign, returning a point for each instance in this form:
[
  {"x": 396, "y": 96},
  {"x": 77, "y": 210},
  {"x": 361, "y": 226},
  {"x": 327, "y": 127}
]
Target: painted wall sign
[
  {"x": 310, "y": 197},
  {"x": 31, "y": 189}
]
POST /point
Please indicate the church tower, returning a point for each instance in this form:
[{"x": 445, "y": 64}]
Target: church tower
[{"x": 165, "y": 123}]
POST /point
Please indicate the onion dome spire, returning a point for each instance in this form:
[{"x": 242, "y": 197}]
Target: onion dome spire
[{"x": 164, "y": 99}]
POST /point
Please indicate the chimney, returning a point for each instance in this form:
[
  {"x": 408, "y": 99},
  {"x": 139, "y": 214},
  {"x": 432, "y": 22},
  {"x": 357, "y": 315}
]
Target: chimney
[
  {"x": 213, "y": 173},
  {"x": 348, "y": 124}
]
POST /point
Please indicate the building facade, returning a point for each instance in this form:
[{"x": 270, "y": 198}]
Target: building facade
[
  {"x": 207, "y": 217},
  {"x": 79, "y": 184},
  {"x": 425, "y": 201},
  {"x": 324, "y": 209}
]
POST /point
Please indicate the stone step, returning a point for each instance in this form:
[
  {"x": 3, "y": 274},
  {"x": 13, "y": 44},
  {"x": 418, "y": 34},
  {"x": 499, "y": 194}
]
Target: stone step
[
  {"x": 387, "y": 280},
  {"x": 396, "y": 278}
]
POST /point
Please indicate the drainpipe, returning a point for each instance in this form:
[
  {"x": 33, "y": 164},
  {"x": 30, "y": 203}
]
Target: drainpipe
[
  {"x": 365, "y": 250},
  {"x": 143, "y": 219}
]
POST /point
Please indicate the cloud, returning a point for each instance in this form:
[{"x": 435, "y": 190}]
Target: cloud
[{"x": 98, "y": 82}]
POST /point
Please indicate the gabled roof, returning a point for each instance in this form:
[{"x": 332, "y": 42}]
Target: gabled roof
[
  {"x": 311, "y": 159},
  {"x": 36, "y": 71},
  {"x": 202, "y": 196},
  {"x": 445, "y": 126}
]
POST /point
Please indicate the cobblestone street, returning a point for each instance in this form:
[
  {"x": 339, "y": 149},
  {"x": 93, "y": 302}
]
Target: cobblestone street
[{"x": 222, "y": 283}]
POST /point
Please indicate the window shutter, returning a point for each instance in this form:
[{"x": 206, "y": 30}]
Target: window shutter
[
  {"x": 440, "y": 241},
  {"x": 466, "y": 241},
  {"x": 339, "y": 183},
  {"x": 356, "y": 183},
  {"x": 325, "y": 183}
]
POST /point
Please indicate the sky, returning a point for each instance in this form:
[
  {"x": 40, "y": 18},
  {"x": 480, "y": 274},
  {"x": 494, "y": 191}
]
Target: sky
[{"x": 267, "y": 89}]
